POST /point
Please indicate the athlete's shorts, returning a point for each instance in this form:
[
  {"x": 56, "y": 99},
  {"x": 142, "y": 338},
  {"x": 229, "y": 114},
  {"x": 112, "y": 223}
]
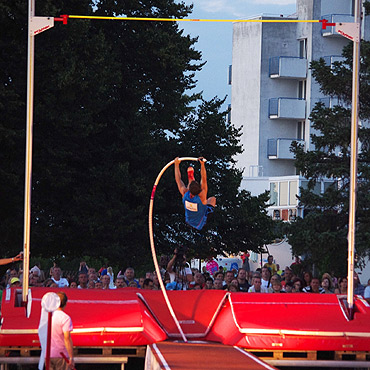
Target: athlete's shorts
[{"x": 208, "y": 211}]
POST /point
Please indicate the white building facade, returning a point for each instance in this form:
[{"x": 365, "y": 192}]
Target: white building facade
[{"x": 273, "y": 93}]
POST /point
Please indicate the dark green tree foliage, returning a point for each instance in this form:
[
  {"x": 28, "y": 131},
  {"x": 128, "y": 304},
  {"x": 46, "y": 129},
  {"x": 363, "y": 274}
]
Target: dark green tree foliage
[
  {"x": 111, "y": 110},
  {"x": 322, "y": 234},
  {"x": 240, "y": 221}
]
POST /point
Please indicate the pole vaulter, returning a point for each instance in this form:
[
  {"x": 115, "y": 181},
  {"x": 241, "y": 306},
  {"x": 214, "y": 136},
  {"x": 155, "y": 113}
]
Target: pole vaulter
[{"x": 36, "y": 25}]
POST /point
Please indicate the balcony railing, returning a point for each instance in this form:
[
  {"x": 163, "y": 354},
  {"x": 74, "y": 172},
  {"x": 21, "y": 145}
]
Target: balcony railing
[
  {"x": 288, "y": 67},
  {"x": 287, "y": 108},
  {"x": 280, "y": 148},
  {"x": 331, "y": 59},
  {"x": 335, "y": 18}
]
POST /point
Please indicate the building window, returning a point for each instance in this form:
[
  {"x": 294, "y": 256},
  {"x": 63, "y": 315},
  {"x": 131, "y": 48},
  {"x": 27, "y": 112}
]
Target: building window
[
  {"x": 293, "y": 190},
  {"x": 274, "y": 193},
  {"x": 302, "y": 89},
  {"x": 303, "y": 48},
  {"x": 283, "y": 194},
  {"x": 230, "y": 74},
  {"x": 301, "y": 128}
]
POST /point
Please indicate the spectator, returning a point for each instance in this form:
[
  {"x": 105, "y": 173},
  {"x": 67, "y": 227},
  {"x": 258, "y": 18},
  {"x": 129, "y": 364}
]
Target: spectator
[
  {"x": 242, "y": 280},
  {"x": 288, "y": 288},
  {"x": 245, "y": 258},
  {"x": 15, "y": 282},
  {"x": 276, "y": 287},
  {"x": 148, "y": 284},
  {"x": 359, "y": 289},
  {"x": 229, "y": 276},
  {"x": 34, "y": 280},
  {"x": 297, "y": 285},
  {"x": 57, "y": 277},
  {"x": 105, "y": 280},
  {"x": 314, "y": 287},
  {"x": 141, "y": 281},
  {"x": 12, "y": 274},
  {"x": 197, "y": 287},
  {"x": 270, "y": 265},
  {"x": 217, "y": 284},
  {"x": 73, "y": 285},
  {"x": 297, "y": 266},
  {"x": 265, "y": 277},
  {"x": 129, "y": 276},
  {"x": 257, "y": 285},
  {"x": 326, "y": 283},
  {"x": 61, "y": 341},
  {"x": 120, "y": 282},
  {"x": 133, "y": 284},
  {"x": 199, "y": 279},
  {"x": 91, "y": 284},
  {"x": 279, "y": 271},
  {"x": 209, "y": 283},
  {"x": 82, "y": 280},
  {"x": 92, "y": 275},
  {"x": 111, "y": 276},
  {"x": 83, "y": 267},
  {"x": 307, "y": 277},
  {"x": 49, "y": 283},
  {"x": 288, "y": 275},
  {"x": 98, "y": 285},
  {"x": 235, "y": 283},
  {"x": 232, "y": 288},
  {"x": 342, "y": 286},
  {"x": 180, "y": 274},
  {"x": 156, "y": 281}
]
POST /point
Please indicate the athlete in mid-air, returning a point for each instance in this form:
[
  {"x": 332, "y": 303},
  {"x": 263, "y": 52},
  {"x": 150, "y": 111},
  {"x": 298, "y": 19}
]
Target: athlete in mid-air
[{"x": 194, "y": 196}]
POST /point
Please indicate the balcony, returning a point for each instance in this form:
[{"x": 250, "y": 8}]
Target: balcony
[
  {"x": 287, "y": 108},
  {"x": 280, "y": 148},
  {"x": 335, "y": 18},
  {"x": 331, "y": 59},
  {"x": 288, "y": 68}
]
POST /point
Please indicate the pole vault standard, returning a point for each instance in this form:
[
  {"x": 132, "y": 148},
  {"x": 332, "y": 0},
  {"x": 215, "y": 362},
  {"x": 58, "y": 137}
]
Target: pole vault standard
[
  {"x": 37, "y": 25},
  {"x": 157, "y": 270}
]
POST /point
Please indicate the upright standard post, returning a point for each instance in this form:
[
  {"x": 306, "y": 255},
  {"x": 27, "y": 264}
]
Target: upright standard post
[
  {"x": 354, "y": 153},
  {"x": 28, "y": 165}
]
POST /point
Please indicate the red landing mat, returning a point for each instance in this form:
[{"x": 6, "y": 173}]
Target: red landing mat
[
  {"x": 200, "y": 356},
  {"x": 196, "y": 310}
]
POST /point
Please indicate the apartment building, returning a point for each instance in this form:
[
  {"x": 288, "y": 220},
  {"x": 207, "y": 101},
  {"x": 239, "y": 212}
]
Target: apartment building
[{"x": 273, "y": 93}]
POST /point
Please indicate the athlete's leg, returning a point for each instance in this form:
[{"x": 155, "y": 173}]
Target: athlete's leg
[{"x": 190, "y": 175}]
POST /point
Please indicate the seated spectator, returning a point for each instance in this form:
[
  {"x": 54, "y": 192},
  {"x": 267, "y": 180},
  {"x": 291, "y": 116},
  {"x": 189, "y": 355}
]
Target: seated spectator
[
  {"x": 314, "y": 287},
  {"x": 257, "y": 285},
  {"x": 217, "y": 284},
  {"x": 141, "y": 281},
  {"x": 307, "y": 277},
  {"x": 120, "y": 282},
  {"x": 232, "y": 288},
  {"x": 235, "y": 283},
  {"x": 276, "y": 287},
  {"x": 209, "y": 283},
  {"x": 34, "y": 279},
  {"x": 297, "y": 285},
  {"x": 148, "y": 284},
  {"x": 82, "y": 280},
  {"x": 242, "y": 280},
  {"x": 49, "y": 283},
  {"x": 288, "y": 288},
  {"x": 265, "y": 277},
  {"x": 105, "y": 280},
  {"x": 342, "y": 286},
  {"x": 99, "y": 284},
  {"x": 133, "y": 284},
  {"x": 15, "y": 282},
  {"x": 359, "y": 289},
  {"x": 326, "y": 283},
  {"x": 91, "y": 284},
  {"x": 57, "y": 277},
  {"x": 73, "y": 285}
]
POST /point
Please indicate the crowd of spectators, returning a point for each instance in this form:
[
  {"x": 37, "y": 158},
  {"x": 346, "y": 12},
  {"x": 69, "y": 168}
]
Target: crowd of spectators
[{"x": 177, "y": 275}]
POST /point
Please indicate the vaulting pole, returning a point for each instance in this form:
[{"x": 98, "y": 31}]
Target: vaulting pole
[
  {"x": 354, "y": 154},
  {"x": 29, "y": 139}
]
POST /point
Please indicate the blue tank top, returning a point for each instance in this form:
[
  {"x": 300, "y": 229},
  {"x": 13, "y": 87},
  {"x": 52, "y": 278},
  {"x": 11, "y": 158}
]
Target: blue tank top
[{"x": 195, "y": 211}]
